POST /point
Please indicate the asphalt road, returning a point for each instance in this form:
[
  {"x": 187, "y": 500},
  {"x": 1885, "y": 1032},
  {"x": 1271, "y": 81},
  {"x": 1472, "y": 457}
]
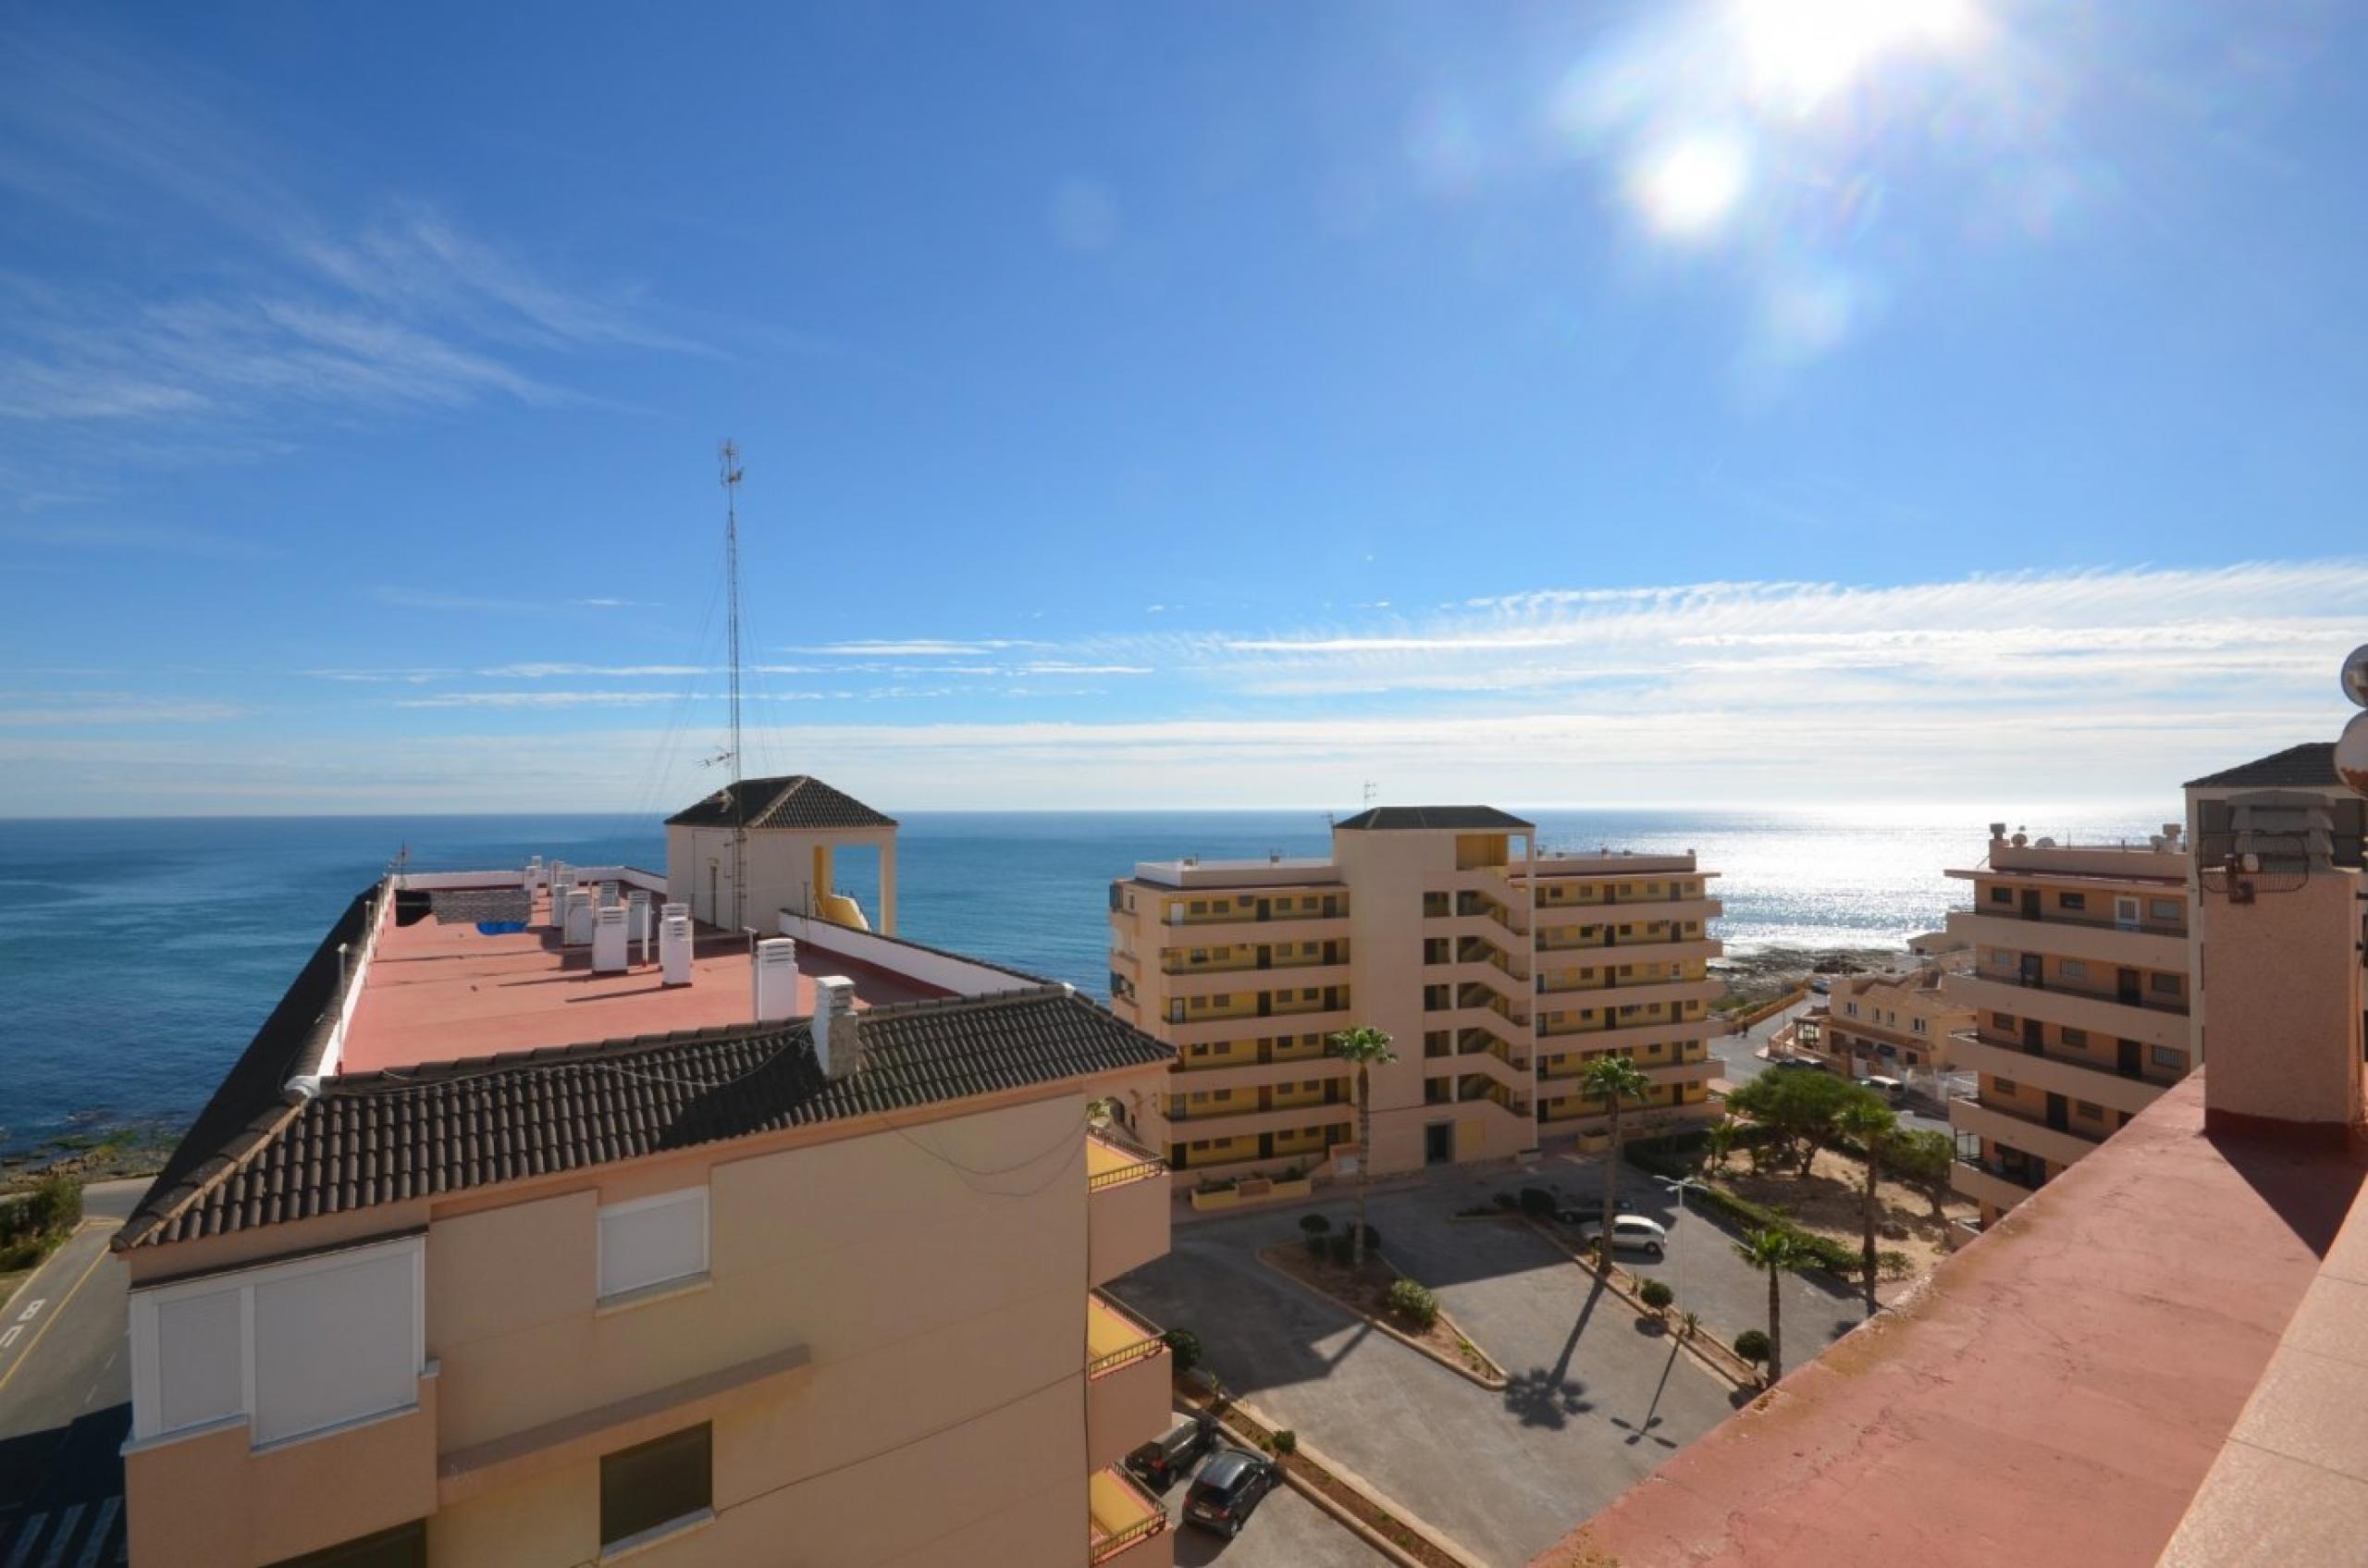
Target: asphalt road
[
  {"x": 1740, "y": 1062},
  {"x": 65, "y": 1399},
  {"x": 1286, "y": 1531}
]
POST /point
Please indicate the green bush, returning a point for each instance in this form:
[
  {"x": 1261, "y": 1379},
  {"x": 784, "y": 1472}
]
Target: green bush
[
  {"x": 1413, "y": 1303},
  {"x": 1656, "y": 1293},
  {"x": 1315, "y": 1224},
  {"x": 1673, "y": 1157},
  {"x": 1286, "y": 1441},
  {"x": 1536, "y": 1203},
  {"x": 1342, "y": 1249},
  {"x": 52, "y": 1206},
  {"x": 1752, "y": 1345},
  {"x": 1184, "y": 1347}
]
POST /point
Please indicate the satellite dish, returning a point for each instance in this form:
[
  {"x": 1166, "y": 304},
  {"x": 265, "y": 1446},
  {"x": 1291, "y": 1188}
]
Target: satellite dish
[
  {"x": 2355, "y": 675},
  {"x": 2351, "y": 752}
]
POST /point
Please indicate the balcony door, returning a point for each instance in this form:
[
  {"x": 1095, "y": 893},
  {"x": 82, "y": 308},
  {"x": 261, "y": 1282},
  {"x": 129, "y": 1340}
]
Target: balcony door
[
  {"x": 2030, "y": 902},
  {"x": 2059, "y": 1112},
  {"x": 2125, "y": 914},
  {"x": 2029, "y": 973},
  {"x": 2125, "y": 988},
  {"x": 2034, "y": 1041},
  {"x": 2128, "y": 1061}
]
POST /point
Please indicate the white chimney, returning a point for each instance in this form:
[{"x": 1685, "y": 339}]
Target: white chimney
[
  {"x": 610, "y": 953},
  {"x": 674, "y": 950},
  {"x": 609, "y": 898},
  {"x": 838, "y": 1032},
  {"x": 776, "y": 979},
  {"x": 637, "y": 926},
  {"x": 668, "y": 911},
  {"x": 533, "y": 880},
  {"x": 577, "y": 929}
]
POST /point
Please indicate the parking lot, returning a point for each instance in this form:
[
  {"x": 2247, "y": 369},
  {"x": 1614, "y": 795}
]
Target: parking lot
[
  {"x": 1597, "y": 1400},
  {"x": 1287, "y": 1531}
]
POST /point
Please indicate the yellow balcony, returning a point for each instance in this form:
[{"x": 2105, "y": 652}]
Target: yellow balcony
[
  {"x": 1126, "y": 1207},
  {"x": 1121, "y": 1516},
  {"x": 1127, "y": 1393}
]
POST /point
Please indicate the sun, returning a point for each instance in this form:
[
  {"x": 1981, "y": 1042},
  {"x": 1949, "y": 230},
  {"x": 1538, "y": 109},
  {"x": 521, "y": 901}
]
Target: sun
[{"x": 1690, "y": 186}]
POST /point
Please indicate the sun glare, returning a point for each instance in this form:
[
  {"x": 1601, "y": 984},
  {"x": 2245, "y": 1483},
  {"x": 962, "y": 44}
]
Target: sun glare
[
  {"x": 1690, "y": 186},
  {"x": 1797, "y": 53}
]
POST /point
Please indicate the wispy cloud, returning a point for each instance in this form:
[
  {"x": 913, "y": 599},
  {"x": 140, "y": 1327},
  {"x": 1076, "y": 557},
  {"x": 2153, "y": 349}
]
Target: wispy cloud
[
  {"x": 411, "y": 311},
  {"x": 100, "y": 708},
  {"x": 915, "y": 647}
]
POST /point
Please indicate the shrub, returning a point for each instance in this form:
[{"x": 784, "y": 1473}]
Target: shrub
[
  {"x": 1891, "y": 1266},
  {"x": 1656, "y": 1293},
  {"x": 1689, "y": 1324},
  {"x": 1342, "y": 1249},
  {"x": 51, "y": 1206},
  {"x": 1413, "y": 1303},
  {"x": 1372, "y": 1241},
  {"x": 1315, "y": 1224},
  {"x": 1752, "y": 1345},
  {"x": 1507, "y": 1202},
  {"x": 1184, "y": 1346},
  {"x": 1286, "y": 1441},
  {"x": 1536, "y": 1203}
]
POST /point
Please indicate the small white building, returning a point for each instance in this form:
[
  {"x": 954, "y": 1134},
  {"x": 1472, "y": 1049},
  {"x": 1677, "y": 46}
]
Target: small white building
[{"x": 792, "y": 825}]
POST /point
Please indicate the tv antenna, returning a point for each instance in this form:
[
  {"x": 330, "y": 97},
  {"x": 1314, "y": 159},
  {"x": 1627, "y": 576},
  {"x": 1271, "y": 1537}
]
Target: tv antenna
[
  {"x": 1371, "y": 790},
  {"x": 728, "y": 467}
]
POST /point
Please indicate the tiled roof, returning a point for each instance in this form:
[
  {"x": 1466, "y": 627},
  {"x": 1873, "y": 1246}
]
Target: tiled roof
[
  {"x": 793, "y": 800},
  {"x": 1461, "y": 818},
  {"x": 2307, "y": 766},
  {"x": 386, "y": 1137}
]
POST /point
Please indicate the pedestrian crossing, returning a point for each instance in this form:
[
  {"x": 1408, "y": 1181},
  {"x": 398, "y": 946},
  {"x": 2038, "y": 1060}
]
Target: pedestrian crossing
[{"x": 81, "y": 1534}]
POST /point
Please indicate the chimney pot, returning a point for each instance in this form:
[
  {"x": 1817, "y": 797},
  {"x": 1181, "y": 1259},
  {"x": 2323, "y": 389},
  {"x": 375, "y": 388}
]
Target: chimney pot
[
  {"x": 838, "y": 1030},
  {"x": 775, "y": 979}
]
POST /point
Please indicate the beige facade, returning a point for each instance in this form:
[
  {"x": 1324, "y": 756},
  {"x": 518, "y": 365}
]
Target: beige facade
[
  {"x": 695, "y": 1300},
  {"x": 2080, "y": 991},
  {"x": 1498, "y": 972},
  {"x": 1889, "y": 1025}
]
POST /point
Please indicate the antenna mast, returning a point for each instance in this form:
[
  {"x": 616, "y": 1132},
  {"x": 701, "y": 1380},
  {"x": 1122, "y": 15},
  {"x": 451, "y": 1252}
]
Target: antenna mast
[{"x": 728, "y": 460}]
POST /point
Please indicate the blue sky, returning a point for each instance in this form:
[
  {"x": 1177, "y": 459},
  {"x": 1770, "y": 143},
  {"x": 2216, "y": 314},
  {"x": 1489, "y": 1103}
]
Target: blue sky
[{"x": 1727, "y": 401}]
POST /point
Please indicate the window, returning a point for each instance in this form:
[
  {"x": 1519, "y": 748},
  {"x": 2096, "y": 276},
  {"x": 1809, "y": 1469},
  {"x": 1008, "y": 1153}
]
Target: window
[
  {"x": 2072, "y": 968},
  {"x": 2077, "y": 1037},
  {"x": 294, "y": 1347},
  {"x": 2002, "y": 1020},
  {"x": 651, "y": 1242},
  {"x": 2001, "y": 896},
  {"x": 405, "y": 1546},
  {"x": 2002, "y": 1086},
  {"x": 2089, "y": 1112},
  {"x": 2170, "y": 1056},
  {"x": 653, "y": 1486},
  {"x": 2164, "y": 909},
  {"x": 2164, "y": 984},
  {"x": 1850, "y": 1010},
  {"x": 1200, "y": 955},
  {"x": 2071, "y": 900},
  {"x": 1920, "y": 1026}
]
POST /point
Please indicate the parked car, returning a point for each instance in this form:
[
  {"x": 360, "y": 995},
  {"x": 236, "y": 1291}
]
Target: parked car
[
  {"x": 1821, "y": 985},
  {"x": 1228, "y": 1489},
  {"x": 1586, "y": 1212},
  {"x": 1890, "y": 1089},
  {"x": 1632, "y": 1232},
  {"x": 1159, "y": 1462},
  {"x": 1798, "y": 1062}
]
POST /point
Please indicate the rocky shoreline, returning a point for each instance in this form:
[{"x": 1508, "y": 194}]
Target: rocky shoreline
[
  {"x": 1769, "y": 971},
  {"x": 102, "y": 1155}
]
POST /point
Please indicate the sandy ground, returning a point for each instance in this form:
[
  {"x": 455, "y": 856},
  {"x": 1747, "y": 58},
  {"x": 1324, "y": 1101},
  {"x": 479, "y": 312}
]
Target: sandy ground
[{"x": 1831, "y": 1201}]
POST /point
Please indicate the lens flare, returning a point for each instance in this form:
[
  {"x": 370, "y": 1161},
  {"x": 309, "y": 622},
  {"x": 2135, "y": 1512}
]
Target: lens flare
[
  {"x": 1689, "y": 187},
  {"x": 1798, "y": 53}
]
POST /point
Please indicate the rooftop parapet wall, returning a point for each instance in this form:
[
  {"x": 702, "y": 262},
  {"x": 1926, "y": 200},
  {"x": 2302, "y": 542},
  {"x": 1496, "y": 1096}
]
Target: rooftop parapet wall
[
  {"x": 1270, "y": 873},
  {"x": 2095, "y": 860}
]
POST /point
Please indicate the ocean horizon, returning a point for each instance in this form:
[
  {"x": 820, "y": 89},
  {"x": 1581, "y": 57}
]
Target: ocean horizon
[{"x": 138, "y": 955}]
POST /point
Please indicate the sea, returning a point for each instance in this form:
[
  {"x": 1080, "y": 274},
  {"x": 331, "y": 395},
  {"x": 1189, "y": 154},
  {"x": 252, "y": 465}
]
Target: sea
[{"x": 138, "y": 956}]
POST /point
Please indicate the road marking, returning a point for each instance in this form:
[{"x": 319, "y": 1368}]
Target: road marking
[
  {"x": 31, "y": 1307},
  {"x": 58, "y": 1543},
  {"x": 27, "y": 1353},
  {"x": 10, "y": 1337},
  {"x": 100, "y": 1527},
  {"x": 25, "y": 1542}
]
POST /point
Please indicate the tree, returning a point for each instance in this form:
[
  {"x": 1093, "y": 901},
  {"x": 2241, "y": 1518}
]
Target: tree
[
  {"x": 1718, "y": 1143},
  {"x": 1872, "y": 1125},
  {"x": 1369, "y": 1048},
  {"x": 1924, "y": 1156},
  {"x": 1800, "y": 1108},
  {"x": 1614, "y": 1079},
  {"x": 1776, "y": 1252}
]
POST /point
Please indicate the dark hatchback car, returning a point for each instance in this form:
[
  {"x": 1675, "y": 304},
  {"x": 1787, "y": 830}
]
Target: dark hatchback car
[
  {"x": 1159, "y": 1462},
  {"x": 1228, "y": 1489}
]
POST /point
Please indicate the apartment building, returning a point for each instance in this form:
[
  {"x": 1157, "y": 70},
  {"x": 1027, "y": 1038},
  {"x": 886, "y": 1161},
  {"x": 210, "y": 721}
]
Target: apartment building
[
  {"x": 2080, "y": 998},
  {"x": 1895, "y": 1025},
  {"x": 543, "y": 1224},
  {"x": 1498, "y": 972}
]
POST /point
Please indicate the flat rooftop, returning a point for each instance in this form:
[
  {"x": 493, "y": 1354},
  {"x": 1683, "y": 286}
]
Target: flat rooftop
[
  {"x": 2054, "y": 1394},
  {"x": 445, "y": 992}
]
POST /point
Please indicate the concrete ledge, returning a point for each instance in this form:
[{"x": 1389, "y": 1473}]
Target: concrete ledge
[{"x": 1497, "y": 1384}]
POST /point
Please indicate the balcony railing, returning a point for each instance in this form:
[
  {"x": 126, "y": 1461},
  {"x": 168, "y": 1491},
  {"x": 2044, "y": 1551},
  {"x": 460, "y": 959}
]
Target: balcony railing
[
  {"x": 1115, "y": 1337},
  {"x": 2082, "y": 918},
  {"x": 2031, "y": 1180},
  {"x": 1113, "y": 1159},
  {"x": 1119, "y": 1515},
  {"x": 2141, "y": 998}
]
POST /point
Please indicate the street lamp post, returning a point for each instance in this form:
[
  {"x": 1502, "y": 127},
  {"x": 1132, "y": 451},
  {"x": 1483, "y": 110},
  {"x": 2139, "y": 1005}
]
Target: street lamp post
[{"x": 1679, "y": 1186}]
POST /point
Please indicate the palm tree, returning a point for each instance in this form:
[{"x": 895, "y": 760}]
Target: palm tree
[
  {"x": 1872, "y": 1125},
  {"x": 1717, "y": 1144},
  {"x": 1368, "y": 1047},
  {"x": 1615, "y": 1080},
  {"x": 1776, "y": 1252}
]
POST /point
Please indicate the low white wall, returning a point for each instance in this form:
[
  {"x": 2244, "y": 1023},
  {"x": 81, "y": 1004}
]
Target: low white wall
[{"x": 961, "y": 976}]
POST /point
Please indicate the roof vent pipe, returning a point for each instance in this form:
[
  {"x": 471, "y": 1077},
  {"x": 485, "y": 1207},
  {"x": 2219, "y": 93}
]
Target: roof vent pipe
[
  {"x": 610, "y": 953},
  {"x": 775, "y": 979},
  {"x": 838, "y": 1032}
]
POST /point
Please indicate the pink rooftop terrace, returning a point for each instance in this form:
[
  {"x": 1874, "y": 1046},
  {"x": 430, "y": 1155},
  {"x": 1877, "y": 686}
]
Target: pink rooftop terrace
[{"x": 438, "y": 993}]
